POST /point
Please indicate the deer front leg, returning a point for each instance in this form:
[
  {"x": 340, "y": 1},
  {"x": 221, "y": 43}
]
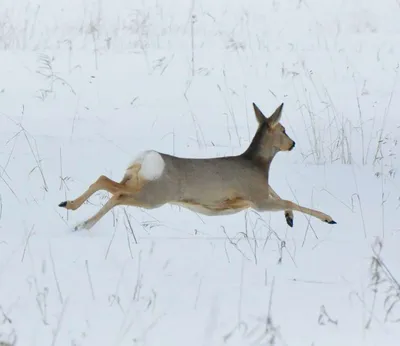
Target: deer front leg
[
  {"x": 288, "y": 213},
  {"x": 270, "y": 204}
]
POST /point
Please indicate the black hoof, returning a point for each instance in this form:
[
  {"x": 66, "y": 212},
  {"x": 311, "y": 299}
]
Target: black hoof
[
  {"x": 63, "y": 204},
  {"x": 289, "y": 220},
  {"x": 331, "y": 222}
]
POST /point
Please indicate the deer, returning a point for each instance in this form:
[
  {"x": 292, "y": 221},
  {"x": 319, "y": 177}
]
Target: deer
[{"x": 209, "y": 186}]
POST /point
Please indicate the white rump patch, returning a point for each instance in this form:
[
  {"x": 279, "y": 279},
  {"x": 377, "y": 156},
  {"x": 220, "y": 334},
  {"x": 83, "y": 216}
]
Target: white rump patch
[{"x": 152, "y": 165}]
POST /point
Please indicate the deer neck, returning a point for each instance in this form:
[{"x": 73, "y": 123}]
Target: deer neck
[
  {"x": 263, "y": 162},
  {"x": 259, "y": 158},
  {"x": 259, "y": 153}
]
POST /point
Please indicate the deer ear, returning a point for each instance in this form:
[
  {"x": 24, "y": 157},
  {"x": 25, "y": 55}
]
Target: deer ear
[
  {"x": 261, "y": 118},
  {"x": 274, "y": 119}
]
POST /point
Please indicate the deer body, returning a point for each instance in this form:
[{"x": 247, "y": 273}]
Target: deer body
[
  {"x": 204, "y": 183},
  {"x": 210, "y": 186}
]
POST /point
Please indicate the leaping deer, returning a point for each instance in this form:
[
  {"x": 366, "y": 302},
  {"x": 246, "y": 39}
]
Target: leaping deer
[{"x": 210, "y": 186}]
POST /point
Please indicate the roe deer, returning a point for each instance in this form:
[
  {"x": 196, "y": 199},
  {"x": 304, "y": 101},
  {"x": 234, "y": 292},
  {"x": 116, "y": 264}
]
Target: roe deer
[{"x": 210, "y": 186}]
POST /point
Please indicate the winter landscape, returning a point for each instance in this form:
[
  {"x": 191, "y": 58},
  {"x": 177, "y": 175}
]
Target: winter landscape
[{"x": 85, "y": 86}]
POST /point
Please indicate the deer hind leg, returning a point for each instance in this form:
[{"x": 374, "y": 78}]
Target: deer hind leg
[
  {"x": 102, "y": 183},
  {"x": 111, "y": 203},
  {"x": 288, "y": 213},
  {"x": 119, "y": 198},
  {"x": 281, "y": 204}
]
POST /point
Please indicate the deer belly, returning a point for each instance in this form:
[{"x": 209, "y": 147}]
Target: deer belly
[{"x": 223, "y": 207}]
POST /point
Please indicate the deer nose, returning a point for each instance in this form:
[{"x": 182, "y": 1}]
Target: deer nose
[{"x": 293, "y": 145}]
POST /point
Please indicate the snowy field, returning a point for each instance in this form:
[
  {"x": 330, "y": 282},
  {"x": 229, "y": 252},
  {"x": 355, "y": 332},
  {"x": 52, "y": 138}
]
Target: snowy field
[{"x": 86, "y": 85}]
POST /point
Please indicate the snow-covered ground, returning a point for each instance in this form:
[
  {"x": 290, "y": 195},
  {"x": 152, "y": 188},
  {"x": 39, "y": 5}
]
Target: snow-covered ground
[{"x": 86, "y": 85}]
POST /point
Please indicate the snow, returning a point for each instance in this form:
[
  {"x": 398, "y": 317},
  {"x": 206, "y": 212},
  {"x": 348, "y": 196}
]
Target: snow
[
  {"x": 87, "y": 85},
  {"x": 152, "y": 165}
]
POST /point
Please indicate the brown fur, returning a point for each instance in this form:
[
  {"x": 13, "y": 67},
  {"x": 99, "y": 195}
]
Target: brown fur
[{"x": 211, "y": 186}]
